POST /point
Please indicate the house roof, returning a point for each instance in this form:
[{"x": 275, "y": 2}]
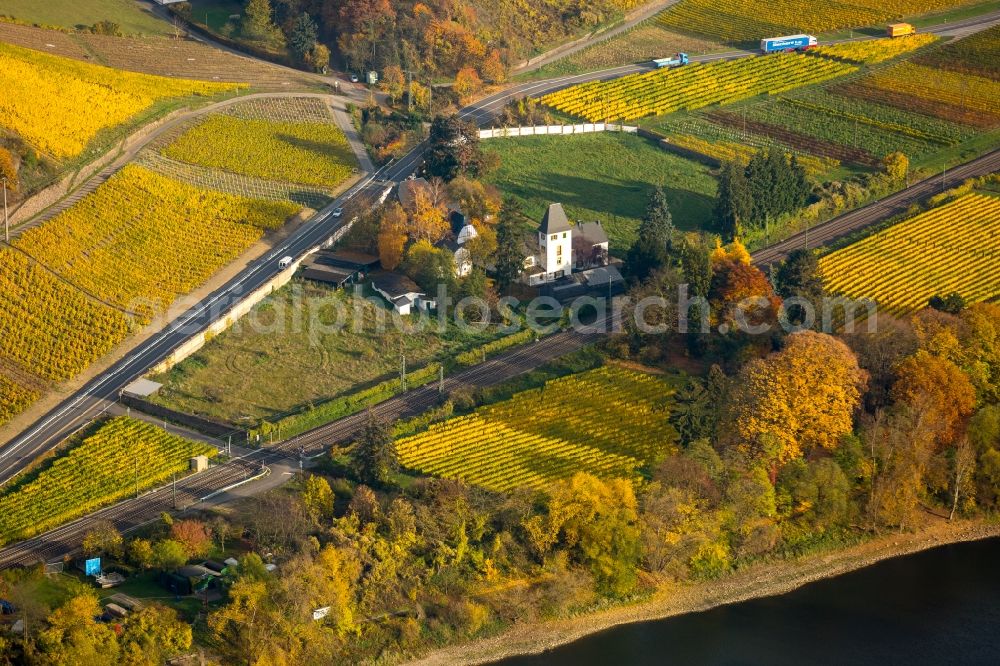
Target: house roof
[
  {"x": 394, "y": 284},
  {"x": 555, "y": 220},
  {"x": 592, "y": 232},
  {"x": 406, "y": 190}
]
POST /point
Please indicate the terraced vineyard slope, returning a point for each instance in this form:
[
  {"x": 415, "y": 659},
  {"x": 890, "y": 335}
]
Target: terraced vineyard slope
[
  {"x": 59, "y": 106},
  {"x": 101, "y": 469},
  {"x": 951, "y": 249},
  {"x": 608, "y": 422},
  {"x": 140, "y": 240},
  {"x": 292, "y": 140}
]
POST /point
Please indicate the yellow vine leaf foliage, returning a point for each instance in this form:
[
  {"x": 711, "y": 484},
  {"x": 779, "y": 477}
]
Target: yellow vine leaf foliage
[
  {"x": 59, "y": 105},
  {"x": 796, "y": 400},
  {"x": 97, "y": 472},
  {"x": 870, "y": 52},
  {"x": 881, "y": 267},
  {"x": 310, "y": 153},
  {"x": 142, "y": 239},
  {"x": 51, "y": 329}
]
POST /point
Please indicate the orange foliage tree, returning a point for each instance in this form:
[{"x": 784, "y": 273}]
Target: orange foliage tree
[
  {"x": 467, "y": 83},
  {"x": 193, "y": 535},
  {"x": 938, "y": 392},
  {"x": 796, "y": 400},
  {"x": 427, "y": 221},
  {"x": 392, "y": 236}
]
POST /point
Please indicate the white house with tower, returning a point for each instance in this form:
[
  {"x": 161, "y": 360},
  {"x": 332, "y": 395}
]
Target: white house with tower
[{"x": 563, "y": 247}]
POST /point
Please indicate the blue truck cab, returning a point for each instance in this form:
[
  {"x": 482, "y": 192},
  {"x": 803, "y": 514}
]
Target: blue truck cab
[
  {"x": 788, "y": 43},
  {"x": 676, "y": 61}
]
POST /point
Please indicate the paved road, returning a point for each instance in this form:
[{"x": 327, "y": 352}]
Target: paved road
[{"x": 95, "y": 395}]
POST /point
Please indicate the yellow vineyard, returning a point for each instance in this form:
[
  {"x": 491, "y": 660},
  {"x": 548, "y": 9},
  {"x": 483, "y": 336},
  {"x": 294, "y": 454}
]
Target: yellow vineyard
[
  {"x": 874, "y": 51},
  {"x": 59, "y": 105},
  {"x": 749, "y": 20},
  {"x": 98, "y": 471},
  {"x": 951, "y": 249},
  {"x": 608, "y": 422},
  {"x": 728, "y": 151},
  {"x": 310, "y": 153},
  {"x": 13, "y": 399},
  {"x": 49, "y": 328},
  {"x": 693, "y": 86},
  {"x": 142, "y": 239},
  {"x": 963, "y": 91}
]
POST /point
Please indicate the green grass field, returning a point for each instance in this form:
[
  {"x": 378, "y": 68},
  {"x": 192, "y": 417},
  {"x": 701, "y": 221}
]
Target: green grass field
[
  {"x": 130, "y": 15},
  {"x": 604, "y": 176},
  {"x": 275, "y": 359}
]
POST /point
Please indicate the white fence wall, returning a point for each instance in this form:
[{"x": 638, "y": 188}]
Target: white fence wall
[{"x": 543, "y": 130}]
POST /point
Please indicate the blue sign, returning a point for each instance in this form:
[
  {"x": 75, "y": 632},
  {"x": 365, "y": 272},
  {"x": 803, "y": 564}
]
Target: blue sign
[{"x": 92, "y": 567}]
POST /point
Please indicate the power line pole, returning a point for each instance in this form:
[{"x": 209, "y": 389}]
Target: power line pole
[{"x": 6, "y": 224}]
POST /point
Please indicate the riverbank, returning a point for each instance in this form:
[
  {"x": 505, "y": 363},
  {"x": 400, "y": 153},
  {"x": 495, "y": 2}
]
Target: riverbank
[{"x": 762, "y": 580}]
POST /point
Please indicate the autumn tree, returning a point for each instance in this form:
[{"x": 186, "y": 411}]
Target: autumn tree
[
  {"x": 140, "y": 553},
  {"x": 374, "y": 453},
  {"x": 169, "y": 554},
  {"x": 257, "y": 24},
  {"x": 154, "y": 634},
  {"x": 796, "y": 400},
  {"x": 467, "y": 84},
  {"x": 360, "y": 26},
  {"x": 392, "y": 233},
  {"x": 477, "y": 200},
  {"x": 739, "y": 293},
  {"x": 193, "y": 536},
  {"x": 8, "y": 170},
  {"x": 318, "y": 497},
  {"x": 896, "y": 166},
  {"x": 103, "y": 539},
  {"x": 430, "y": 267},
  {"x": 393, "y": 82},
  {"x": 938, "y": 391},
  {"x": 72, "y": 635},
  {"x": 598, "y": 521},
  {"x": 428, "y": 221},
  {"x": 493, "y": 69}
]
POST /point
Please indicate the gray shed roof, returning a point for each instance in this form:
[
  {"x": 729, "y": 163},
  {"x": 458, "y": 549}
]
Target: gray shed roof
[
  {"x": 555, "y": 220},
  {"x": 593, "y": 233}
]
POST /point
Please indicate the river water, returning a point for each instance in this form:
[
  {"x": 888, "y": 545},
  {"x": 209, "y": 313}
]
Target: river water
[{"x": 941, "y": 606}]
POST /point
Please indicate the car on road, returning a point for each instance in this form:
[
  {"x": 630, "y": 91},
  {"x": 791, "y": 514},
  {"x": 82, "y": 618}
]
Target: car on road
[
  {"x": 338, "y": 212},
  {"x": 354, "y": 78},
  {"x": 285, "y": 262}
]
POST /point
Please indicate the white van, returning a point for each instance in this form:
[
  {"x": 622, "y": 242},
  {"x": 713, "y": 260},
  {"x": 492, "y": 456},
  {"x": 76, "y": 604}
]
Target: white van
[{"x": 285, "y": 262}]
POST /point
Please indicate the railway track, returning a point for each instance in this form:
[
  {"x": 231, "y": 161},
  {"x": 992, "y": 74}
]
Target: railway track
[
  {"x": 824, "y": 234},
  {"x": 192, "y": 491}
]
